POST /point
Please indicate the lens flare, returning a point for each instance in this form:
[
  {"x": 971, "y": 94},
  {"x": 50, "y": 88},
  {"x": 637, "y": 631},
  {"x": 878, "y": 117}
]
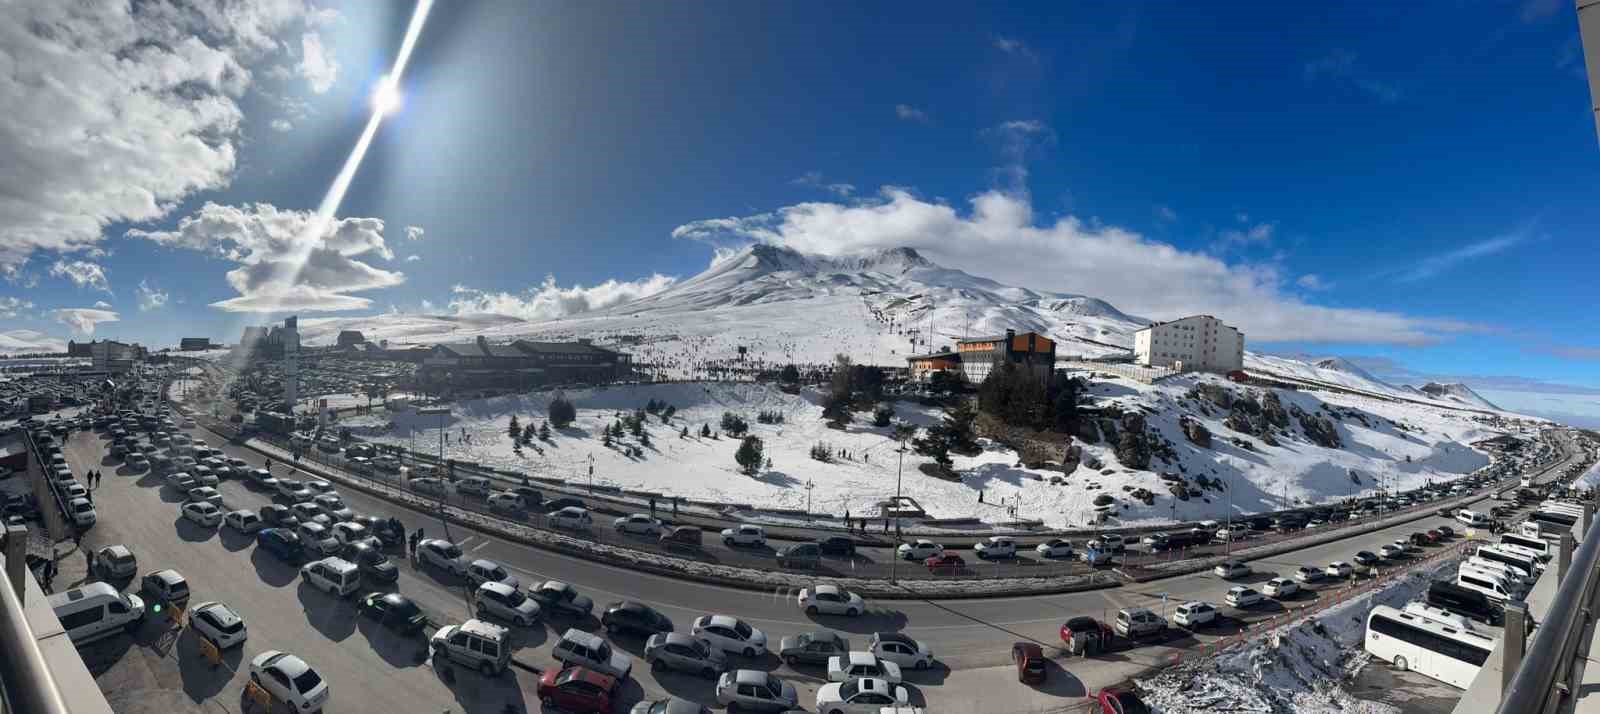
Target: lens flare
[{"x": 386, "y": 98}]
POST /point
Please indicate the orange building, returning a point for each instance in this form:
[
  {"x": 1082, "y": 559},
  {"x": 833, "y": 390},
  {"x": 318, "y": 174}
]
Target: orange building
[
  {"x": 923, "y": 366},
  {"x": 1029, "y": 350}
]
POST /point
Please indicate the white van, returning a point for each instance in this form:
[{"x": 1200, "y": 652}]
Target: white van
[
  {"x": 1437, "y": 614},
  {"x": 1539, "y": 547},
  {"x": 1517, "y": 561},
  {"x": 1512, "y": 575},
  {"x": 1472, "y": 518},
  {"x": 96, "y": 610},
  {"x": 473, "y": 485},
  {"x": 1492, "y": 587},
  {"x": 337, "y": 576}
]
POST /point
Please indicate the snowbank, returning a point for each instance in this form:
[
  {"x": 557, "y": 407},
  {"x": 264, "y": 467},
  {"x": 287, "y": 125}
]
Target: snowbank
[{"x": 1295, "y": 668}]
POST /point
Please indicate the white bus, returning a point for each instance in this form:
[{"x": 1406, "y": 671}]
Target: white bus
[{"x": 1431, "y": 649}]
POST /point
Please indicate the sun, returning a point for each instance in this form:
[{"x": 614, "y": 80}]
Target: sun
[{"x": 386, "y": 98}]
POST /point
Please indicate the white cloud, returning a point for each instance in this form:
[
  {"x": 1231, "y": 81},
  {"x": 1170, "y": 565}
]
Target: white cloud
[
  {"x": 151, "y": 298},
  {"x": 1017, "y": 138},
  {"x": 286, "y": 261},
  {"x": 1252, "y": 235},
  {"x": 83, "y": 319},
  {"x": 102, "y": 304},
  {"x": 1312, "y": 281},
  {"x": 910, "y": 113},
  {"x": 814, "y": 180},
  {"x": 119, "y": 111},
  {"x": 550, "y": 300},
  {"x": 1013, "y": 46},
  {"x": 282, "y": 125},
  {"x": 317, "y": 64},
  {"x": 29, "y": 342},
  {"x": 1435, "y": 264},
  {"x": 414, "y": 232},
  {"x": 82, "y": 273},
  {"x": 999, "y": 238},
  {"x": 10, "y": 307},
  {"x": 413, "y": 258}
]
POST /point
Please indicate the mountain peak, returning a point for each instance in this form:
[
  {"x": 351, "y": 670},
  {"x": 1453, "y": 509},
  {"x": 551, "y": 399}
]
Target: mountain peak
[{"x": 888, "y": 260}]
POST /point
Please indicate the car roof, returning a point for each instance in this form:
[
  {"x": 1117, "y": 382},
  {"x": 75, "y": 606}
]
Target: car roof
[
  {"x": 751, "y": 676},
  {"x": 497, "y": 587},
  {"x": 287, "y": 663},
  {"x": 894, "y": 637},
  {"x": 224, "y": 615},
  {"x": 678, "y": 638},
  {"x": 118, "y": 551},
  {"x": 722, "y": 621},
  {"x": 586, "y": 639},
  {"x": 862, "y": 658},
  {"x": 825, "y": 588},
  {"x": 483, "y": 629},
  {"x": 554, "y": 585}
]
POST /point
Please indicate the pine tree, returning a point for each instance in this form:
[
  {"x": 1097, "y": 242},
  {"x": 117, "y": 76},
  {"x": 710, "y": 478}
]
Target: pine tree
[
  {"x": 605, "y": 438},
  {"x": 644, "y": 438},
  {"x": 515, "y": 430},
  {"x": 705, "y": 431},
  {"x": 562, "y": 410},
  {"x": 636, "y": 426},
  {"x": 684, "y": 434},
  {"x": 748, "y": 456},
  {"x": 544, "y": 431}
]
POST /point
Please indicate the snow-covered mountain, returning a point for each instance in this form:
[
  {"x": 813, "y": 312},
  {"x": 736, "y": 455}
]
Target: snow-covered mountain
[
  {"x": 1340, "y": 364},
  {"x": 1456, "y": 392}
]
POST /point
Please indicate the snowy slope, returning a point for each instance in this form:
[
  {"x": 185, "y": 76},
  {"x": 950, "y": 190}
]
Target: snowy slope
[{"x": 1456, "y": 392}]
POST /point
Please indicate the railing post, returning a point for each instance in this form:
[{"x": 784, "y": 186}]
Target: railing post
[
  {"x": 1565, "y": 557},
  {"x": 16, "y": 550},
  {"x": 1514, "y": 643}
]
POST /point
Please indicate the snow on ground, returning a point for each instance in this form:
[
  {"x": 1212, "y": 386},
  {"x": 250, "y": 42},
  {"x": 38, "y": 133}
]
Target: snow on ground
[
  {"x": 703, "y": 468},
  {"x": 1300, "y": 673}
]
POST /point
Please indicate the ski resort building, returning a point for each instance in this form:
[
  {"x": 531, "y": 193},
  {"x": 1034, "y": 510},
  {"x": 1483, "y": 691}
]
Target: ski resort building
[
  {"x": 1198, "y": 342},
  {"x": 520, "y": 364},
  {"x": 975, "y": 357}
]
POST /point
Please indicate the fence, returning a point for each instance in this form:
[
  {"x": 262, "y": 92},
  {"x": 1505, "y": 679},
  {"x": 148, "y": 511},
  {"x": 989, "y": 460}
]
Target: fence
[{"x": 1147, "y": 375}]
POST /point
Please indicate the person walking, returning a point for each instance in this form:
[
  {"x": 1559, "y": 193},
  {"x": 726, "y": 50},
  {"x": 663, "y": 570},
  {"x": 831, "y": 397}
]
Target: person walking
[{"x": 88, "y": 562}]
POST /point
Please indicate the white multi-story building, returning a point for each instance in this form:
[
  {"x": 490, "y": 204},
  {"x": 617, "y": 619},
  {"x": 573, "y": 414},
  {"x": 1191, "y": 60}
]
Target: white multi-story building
[{"x": 1198, "y": 342}]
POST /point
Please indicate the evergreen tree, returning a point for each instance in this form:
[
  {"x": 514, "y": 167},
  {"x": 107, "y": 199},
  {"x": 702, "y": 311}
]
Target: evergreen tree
[
  {"x": 748, "y": 456},
  {"x": 605, "y": 438},
  {"x": 644, "y": 438},
  {"x": 562, "y": 410},
  {"x": 882, "y": 415},
  {"x": 789, "y": 375},
  {"x": 705, "y": 431},
  {"x": 527, "y": 431},
  {"x": 668, "y": 413},
  {"x": 544, "y": 431},
  {"x": 684, "y": 434},
  {"x": 636, "y": 426},
  {"x": 515, "y": 430}
]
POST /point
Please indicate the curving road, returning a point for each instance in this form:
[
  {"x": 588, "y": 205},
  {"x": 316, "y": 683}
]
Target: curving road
[{"x": 374, "y": 671}]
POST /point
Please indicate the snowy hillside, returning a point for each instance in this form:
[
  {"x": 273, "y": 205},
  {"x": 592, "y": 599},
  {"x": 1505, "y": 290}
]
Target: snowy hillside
[{"x": 1456, "y": 392}]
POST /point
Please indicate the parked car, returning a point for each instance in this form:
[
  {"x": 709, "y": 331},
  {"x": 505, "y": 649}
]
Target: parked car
[
  {"x": 677, "y": 651},
  {"x": 1241, "y": 596},
  {"x": 1308, "y": 574},
  {"x": 280, "y": 542},
  {"x": 799, "y": 555},
  {"x": 945, "y": 563},
  {"x": 1280, "y": 588},
  {"x": 920, "y": 549},
  {"x": 289, "y": 680},
  {"x": 1117, "y": 701},
  {"x": 581, "y": 649},
  {"x": 637, "y": 523},
  {"x": 487, "y": 571},
  {"x": 681, "y": 538},
  {"x": 630, "y": 616},
  {"x": 744, "y": 535},
  {"x": 996, "y": 547},
  {"x": 166, "y": 587},
  {"x": 837, "y": 545},
  {"x": 1090, "y": 634},
  {"x": 219, "y": 624},
  {"x": 901, "y": 649},
  {"x": 115, "y": 562},
  {"x": 276, "y": 516},
  {"x": 243, "y": 521},
  {"x": 730, "y": 634},
  {"x": 559, "y": 598},
  {"x": 1028, "y": 658},
  {"x": 1138, "y": 621},
  {"x": 571, "y": 518},
  {"x": 866, "y": 694},
  {"x": 203, "y": 513},
  {"x": 392, "y": 610},
  {"x": 1054, "y": 548},
  {"x": 853, "y": 665},
  {"x": 813, "y": 647},
  {"x": 442, "y": 554},
  {"x": 1231, "y": 569},
  {"x": 754, "y": 690},
  {"x": 576, "y": 689},
  {"x": 371, "y": 562}
]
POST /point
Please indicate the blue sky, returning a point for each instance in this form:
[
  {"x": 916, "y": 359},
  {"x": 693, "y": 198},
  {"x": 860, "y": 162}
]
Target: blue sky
[{"x": 1406, "y": 183}]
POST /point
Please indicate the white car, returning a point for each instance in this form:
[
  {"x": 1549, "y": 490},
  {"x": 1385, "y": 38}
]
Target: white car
[
  {"x": 206, "y": 494},
  {"x": 1338, "y": 569},
  {"x": 487, "y": 571},
  {"x": 637, "y": 523},
  {"x": 868, "y": 694},
  {"x": 204, "y": 475},
  {"x": 901, "y": 649},
  {"x": 854, "y": 665},
  {"x": 1391, "y": 551},
  {"x": 920, "y": 549},
  {"x": 571, "y": 518},
  {"x": 293, "y": 490},
  {"x": 996, "y": 547},
  {"x": 730, "y": 634},
  {"x": 319, "y": 486},
  {"x": 1112, "y": 542},
  {"x": 181, "y": 480},
  {"x": 289, "y": 680},
  {"x": 1231, "y": 569},
  {"x": 1406, "y": 546},
  {"x": 347, "y": 533},
  {"x": 219, "y": 624},
  {"x": 1307, "y": 574},
  {"x": 333, "y": 507},
  {"x": 442, "y": 554},
  {"x": 1194, "y": 614},
  {"x": 830, "y": 600},
  {"x": 202, "y": 513},
  {"x": 428, "y": 485},
  {"x": 507, "y": 502},
  {"x": 1280, "y": 588},
  {"x": 243, "y": 520},
  {"x": 748, "y": 536},
  {"x": 316, "y": 537},
  {"x": 1054, "y": 548},
  {"x": 1241, "y": 596}
]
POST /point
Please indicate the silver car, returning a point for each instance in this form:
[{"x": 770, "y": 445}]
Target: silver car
[
  {"x": 585, "y": 650},
  {"x": 675, "y": 650},
  {"x": 754, "y": 690}
]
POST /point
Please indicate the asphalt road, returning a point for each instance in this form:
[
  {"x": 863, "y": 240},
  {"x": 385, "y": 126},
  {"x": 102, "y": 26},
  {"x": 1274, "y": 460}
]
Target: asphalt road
[{"x": 377, "y": 672}]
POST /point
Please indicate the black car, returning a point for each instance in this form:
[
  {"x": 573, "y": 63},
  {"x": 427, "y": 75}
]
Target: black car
[
  {"x": 1261, "y": 523},
  {"x": 388, "y": 531},
  {"x": 1462, "y": 601},
  {"x": 529, "y": 494},
  {"x": 276, "y": 516},
  {"x": 394, "y": 611},
  {"x": 371, "y": 562},
  {"x": 557, "y": 504},
  {"x": 1366, "y": 558},
  {"x": 556, "y": 597},
  {"x": 630, "y": 616},
  {"x": 837, "y": 545}
]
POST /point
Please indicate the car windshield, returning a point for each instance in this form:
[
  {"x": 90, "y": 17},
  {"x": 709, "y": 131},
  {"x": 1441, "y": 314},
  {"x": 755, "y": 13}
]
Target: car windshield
[
  {"x": 404, "y": 608},
  {"x": 515, "y": 598},
  {"x": 307, "y": 681},
  {"x": 743, "y": 629},
  {"x": 847, "y": 691},
  {"x": 702, "y": 649},
  {"x": 450, "y": 550}
]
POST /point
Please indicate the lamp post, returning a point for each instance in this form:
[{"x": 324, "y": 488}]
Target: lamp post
[{"x": 809, "y": 485}]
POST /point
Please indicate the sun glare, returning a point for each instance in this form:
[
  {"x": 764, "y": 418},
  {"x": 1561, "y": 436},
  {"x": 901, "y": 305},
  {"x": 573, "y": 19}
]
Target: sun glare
[{"x": 386, "y": 99}]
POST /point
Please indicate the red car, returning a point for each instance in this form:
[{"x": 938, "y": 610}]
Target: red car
[
  {"x": 1118, "y": 701},
  {"x": 944, "y": 563},
  {"x": 1096, "y": 634},
  {"x": 576, "y": 689},
  {"x": 1434, "y": 536},
  {"x": 1029, "y": 659}
]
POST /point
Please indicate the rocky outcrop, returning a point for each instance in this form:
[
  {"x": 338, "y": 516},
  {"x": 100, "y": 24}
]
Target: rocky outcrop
[
  {"x": 1239, "y": 421},
  {"x": 1320, "y": 430},
  {"x": 1088, "y": 432},
  {"x": 1272, "y": 410},
  {"x": 1196, "y": 432},
  {"x": 1214, "y": 393},
  {"x": 1108, "y": 429},
  {"x": 1133, "y": 447}
]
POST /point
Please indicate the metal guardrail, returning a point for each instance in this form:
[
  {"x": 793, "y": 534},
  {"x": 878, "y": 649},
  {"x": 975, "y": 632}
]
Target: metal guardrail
[
  {"x": 26, "y": 682},
  {"x": 1543, "y": 680}
]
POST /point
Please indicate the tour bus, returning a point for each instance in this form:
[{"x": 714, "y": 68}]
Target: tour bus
[
  {"x": 1431, "y": 649},
  {"x": 1517, "y": 561},
  {"x": 1553, "y": 519}
]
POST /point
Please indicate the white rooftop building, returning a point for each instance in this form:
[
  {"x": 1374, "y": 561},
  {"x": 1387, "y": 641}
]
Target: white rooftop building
[{"x": 1198, "y": 342}]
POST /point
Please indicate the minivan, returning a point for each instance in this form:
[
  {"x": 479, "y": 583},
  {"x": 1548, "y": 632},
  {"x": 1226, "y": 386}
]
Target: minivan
[
  {"x": 473, "y": 485},
  {"x": 96, "y": 610},
  {"x": 336, "y": 576},
  {"x": 1472, "y": 518},
  {"x": 1516, "y": 560},
  {"x": 1537, "y": 546},
  {"x": 1512, "y": 575},
  {"x": 1463, "y": 601},
  {"x": 1493, "y": 587}
]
